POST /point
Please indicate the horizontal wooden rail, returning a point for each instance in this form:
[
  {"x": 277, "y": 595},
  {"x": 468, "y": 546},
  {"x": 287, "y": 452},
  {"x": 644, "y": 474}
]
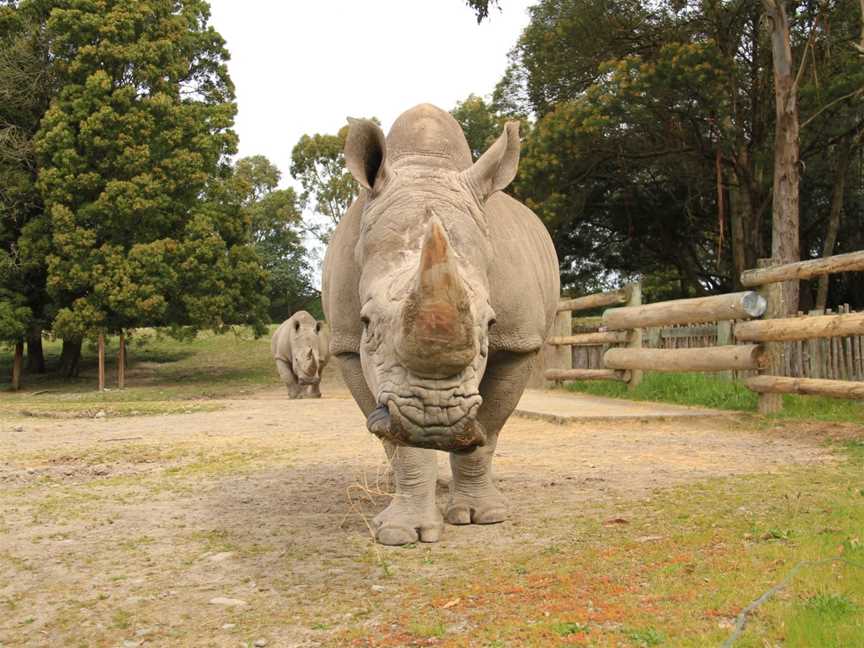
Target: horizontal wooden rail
[
  {"x": 587, "y": 322},
  {"x": 597, "y": 300},
  {"x": 801, "y": 328},
  {"x": 852, "y": 262},
  {"x": 741, "y": 305},
  {"x": 586, "y": 374},
  {"x": 807, "y": 386},
  {"x": 589, "y": 339},
  {"x": 722, "y": 358}
]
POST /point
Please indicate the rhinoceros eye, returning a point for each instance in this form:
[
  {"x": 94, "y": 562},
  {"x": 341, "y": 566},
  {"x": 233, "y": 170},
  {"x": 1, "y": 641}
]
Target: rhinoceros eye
[
  {"x": 318, "y": 327},
  {"x": 296, "y": 326}
]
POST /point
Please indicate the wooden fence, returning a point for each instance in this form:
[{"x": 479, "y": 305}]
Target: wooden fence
[
  {"x": 838, "y": 358},
  {"x": 818, "y": 353}
]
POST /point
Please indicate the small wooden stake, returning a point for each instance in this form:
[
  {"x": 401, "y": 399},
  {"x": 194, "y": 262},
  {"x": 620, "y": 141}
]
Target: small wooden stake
[
  {"x": 636, "y": 334},
  {"x": 121, "y": 362},
  {"x": 101, "y": 346},
  {"x": 17, "y": 364}
]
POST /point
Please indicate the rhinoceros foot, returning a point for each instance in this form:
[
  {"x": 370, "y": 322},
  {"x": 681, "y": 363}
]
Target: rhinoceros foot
[
  {"x": 310, "y": 391},
  {"x": 487, "y": 507},
  {"x": 407, "y": 520}
]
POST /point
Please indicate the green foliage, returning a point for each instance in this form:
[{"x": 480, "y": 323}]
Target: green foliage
[
  {"x": 318, "y": 164},
  {"x": 481, "y": 8},
  {"x": 144, "y": 227},
  {"x": 26, "y": 85},
  {"x": 277, "y": 234},
  {"x": 654, "y": 141}
]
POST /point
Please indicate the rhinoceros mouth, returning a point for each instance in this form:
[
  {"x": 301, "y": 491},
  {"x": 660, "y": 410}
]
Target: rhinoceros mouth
[{"x": 452, "y": 428}]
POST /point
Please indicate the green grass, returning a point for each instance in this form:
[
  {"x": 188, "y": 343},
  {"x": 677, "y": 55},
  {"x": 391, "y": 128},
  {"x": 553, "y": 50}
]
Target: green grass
[
  {"x": 715, "y": 546},
  {"x": 700, "y": 390},
  {"x": 162, "y": 373}
]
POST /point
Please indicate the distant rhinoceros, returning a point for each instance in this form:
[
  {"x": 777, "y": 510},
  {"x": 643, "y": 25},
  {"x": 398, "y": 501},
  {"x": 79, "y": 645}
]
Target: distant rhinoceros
[
  {"x": 300, "y": 348},
  {"x": 439, "y": 290}
]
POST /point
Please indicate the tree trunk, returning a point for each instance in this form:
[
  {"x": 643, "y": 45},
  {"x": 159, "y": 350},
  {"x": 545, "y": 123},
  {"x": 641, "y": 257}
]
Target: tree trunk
[
  {"x": 785, "y": 231},
  {"x": 35, "y": 352},
  {"x": 70, "y": 358},
  {"x": 17, "y": 363},
  {"x": 837, "y": 192},
  {"x": 848, "y": 146},
  {"x": 121, "y": 362},
  {"x": 101, "y": 351}
]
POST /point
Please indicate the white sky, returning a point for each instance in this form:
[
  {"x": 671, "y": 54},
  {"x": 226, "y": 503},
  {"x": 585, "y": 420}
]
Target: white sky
[{"x": 302, "y": 66}]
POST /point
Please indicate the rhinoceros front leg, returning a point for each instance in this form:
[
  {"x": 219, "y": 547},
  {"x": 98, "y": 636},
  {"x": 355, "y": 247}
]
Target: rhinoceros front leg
[
  {"x": 473, "y": 495},
  {"x": 311, "y": 391},
  {"x": 413, "y": 514},
  {"x": 288, "y": 377}
]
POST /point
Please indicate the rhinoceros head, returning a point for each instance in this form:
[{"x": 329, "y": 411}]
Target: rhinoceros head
[
  {"x": 303, "y": 334},
  {"x": 424, "y": 252}
]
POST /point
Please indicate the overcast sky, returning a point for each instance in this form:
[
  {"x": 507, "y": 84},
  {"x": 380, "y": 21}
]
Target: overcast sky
[{"x": 302, "y": 67}]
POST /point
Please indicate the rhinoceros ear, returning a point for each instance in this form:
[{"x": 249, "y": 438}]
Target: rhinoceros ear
[
  {"x": 366, "y": 153},
  {"x": 497, "y": 167}
]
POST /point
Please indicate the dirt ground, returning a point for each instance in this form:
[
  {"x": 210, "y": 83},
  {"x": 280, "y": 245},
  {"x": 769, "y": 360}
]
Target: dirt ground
[{"x": 247, "y": 526}]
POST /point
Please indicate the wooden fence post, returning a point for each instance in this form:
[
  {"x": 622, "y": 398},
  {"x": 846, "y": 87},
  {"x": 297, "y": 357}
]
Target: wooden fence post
[
  {"x": 17, "y": 364},
  {"x": 101, "y": 347},
  {"x": 635, "y": 341},
  {"x": 553, "y": 356},
  {"x": 774, "y": 351},
  {"x": 560, "y": 357},
  {"x": 121, "y": 362},
  {"x": 724, "y": 338}
]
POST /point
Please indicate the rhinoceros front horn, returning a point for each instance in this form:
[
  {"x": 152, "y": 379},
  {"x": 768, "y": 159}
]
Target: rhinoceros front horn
[{"x": 436, "y": 337}]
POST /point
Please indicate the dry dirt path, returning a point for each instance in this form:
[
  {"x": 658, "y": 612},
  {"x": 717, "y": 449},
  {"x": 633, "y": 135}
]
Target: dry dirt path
[{"x": 218, "y": 528}]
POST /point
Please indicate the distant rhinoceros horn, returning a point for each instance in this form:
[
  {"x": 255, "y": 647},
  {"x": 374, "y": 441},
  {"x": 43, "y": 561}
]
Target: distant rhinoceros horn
[{"x": 437, "y": 326}]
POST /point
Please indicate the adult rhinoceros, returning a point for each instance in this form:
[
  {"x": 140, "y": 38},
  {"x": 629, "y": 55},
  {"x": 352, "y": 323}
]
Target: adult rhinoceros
[{"x": 439, "y": 290}]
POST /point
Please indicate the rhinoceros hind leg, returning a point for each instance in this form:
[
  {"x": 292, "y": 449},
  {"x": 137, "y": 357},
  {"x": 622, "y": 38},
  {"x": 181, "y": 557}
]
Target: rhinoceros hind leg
[
  {"x": 473, "y": 496},
  {"x": 413, "y": 514}
]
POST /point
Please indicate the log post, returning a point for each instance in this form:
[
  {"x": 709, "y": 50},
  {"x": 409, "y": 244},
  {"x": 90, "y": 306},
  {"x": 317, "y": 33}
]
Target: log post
[
  {"x": 801, "y": 328},
  {"x": 772, "y": 403},
  {"x": 17, "y": 365},
  {"x": 851, "y": 262},
  {"x": 101, "y": 347},
  {"x": 561, "y": 357},
  {"x": 733, "y": 306},
  {"x": 559, "y": 375},
  {"x": 702, "y": 359},
  {"x": 121, "y": 362},
  {"x": 724, "y": 338},
  {"x": 807, "y": 386},
  {"x": 590, "y": 339},
  {"x": 636, "y": 335},
  {"x": 597, "y": 300},
  {"x": 553, "y": 356}
]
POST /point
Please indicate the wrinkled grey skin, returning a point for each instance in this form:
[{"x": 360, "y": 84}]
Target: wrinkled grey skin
[
  {"x": 300, "y": 347},
  {"x": 439, "y": 290}
]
